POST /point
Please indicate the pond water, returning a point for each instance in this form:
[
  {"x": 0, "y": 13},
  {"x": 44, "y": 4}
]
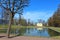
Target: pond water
[{"x": 43, "y": 32}]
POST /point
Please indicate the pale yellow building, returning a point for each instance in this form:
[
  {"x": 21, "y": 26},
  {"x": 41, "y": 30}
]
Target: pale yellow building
[{"x": 39, "y": 24}]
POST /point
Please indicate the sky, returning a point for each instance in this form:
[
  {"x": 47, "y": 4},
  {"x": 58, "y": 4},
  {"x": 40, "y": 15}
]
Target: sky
[{"x": 40, "y": 9}]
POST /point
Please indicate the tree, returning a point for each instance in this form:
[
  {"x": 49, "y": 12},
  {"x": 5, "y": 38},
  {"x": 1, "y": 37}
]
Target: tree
[
  {"x": 42, "y": 21},
  {"x": 50, "y": 21},
  {"x": 20, "y": 16},
  {"x": 28, "y": 22},
  {"x": 55, "y": 19},
  {"x": 4, "y": 17},
  {"x": 23, "y": 22},
  {"x": 12, "y": 7}
]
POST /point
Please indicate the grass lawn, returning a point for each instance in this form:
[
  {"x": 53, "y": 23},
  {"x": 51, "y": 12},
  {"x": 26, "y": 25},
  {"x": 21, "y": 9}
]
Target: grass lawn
[
  {"x": 55, "y": 29},
  {"x": 16, "y": 26}
]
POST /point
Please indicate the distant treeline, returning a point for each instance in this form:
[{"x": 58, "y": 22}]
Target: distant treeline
[{"x": 2, "y": 21}]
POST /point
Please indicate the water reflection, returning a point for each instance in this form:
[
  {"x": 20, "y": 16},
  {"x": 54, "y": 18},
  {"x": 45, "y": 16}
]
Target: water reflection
[
  {"x": 39, "y": 28},
  {"x": 35, "y": 32},
  {"x": 45, "y": 32}
]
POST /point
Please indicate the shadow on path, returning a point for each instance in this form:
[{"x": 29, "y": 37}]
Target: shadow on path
[{"x": 2, "y": 36}]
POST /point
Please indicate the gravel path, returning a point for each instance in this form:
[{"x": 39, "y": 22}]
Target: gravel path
[
  {"x": 27, "y": 38},
  {"x": 3, "y": 37}
]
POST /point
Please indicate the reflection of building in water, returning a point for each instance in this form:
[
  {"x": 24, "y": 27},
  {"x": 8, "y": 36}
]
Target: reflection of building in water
[
  {"x": 39, "y": 28},
  {"x": 39, "y": 24}
]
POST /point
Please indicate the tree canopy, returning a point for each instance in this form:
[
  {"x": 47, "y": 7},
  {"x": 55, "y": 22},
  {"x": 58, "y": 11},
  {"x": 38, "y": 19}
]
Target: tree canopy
[
  {"x": 55, "y": 19},
  {"x": 12, "y": 7}
]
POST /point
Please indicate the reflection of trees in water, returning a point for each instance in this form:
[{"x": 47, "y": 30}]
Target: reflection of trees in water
[
  {"x": 53, "y": 33},
  {"x": 25, "y": 30},
  {"x": 28, "y": 30},
  {"x": 42, "y": 31},
  {"x": 20, "y": 31}
]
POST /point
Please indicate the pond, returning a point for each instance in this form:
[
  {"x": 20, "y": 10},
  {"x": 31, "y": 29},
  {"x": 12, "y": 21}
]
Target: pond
[{"x": 41, "y": 32}]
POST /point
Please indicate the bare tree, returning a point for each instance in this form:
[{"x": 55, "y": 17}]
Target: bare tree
[
  {"x": 12, "y": 7},
  {"x": 20, "y": 16}
]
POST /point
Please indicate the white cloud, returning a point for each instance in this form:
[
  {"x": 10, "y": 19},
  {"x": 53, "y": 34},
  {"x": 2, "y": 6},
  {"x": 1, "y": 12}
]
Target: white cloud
[{"x": 35, "y": 15}]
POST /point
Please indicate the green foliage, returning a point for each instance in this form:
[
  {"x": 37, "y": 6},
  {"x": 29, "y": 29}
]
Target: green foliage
[
  {"x": 23, "y": 22},
  {"x": 55, "y": 19}
]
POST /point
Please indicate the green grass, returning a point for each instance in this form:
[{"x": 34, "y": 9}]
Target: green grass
[
  {"x": 56, "y": 37},
  {"x": 16, "y": 26},
  {"x": 3, "y": 26},
  {"x": 55, "y": 29}
]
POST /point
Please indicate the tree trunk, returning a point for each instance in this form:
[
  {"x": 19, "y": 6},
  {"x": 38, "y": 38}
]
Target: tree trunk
[
  {"x": 12, "y": 18},
  {"x": 20, "y": 19},
  {"x": 10, "y": 23},
  {"x": 9, "y": 28}
]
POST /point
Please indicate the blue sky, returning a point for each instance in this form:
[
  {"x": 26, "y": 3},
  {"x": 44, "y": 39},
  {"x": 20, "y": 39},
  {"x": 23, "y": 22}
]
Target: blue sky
[{"x": 40, "y": 9}]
